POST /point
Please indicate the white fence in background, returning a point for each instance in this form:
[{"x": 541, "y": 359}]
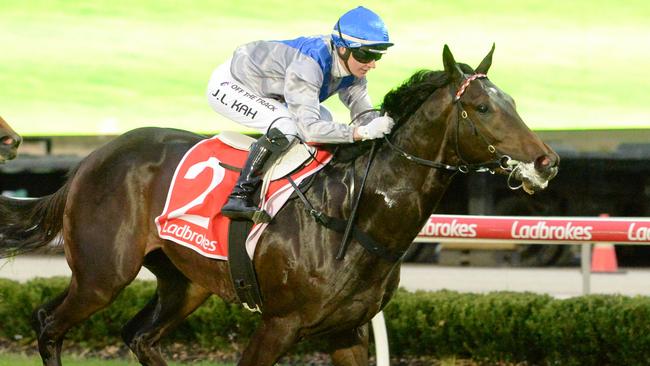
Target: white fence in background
[{"x": 586, "y": 231}]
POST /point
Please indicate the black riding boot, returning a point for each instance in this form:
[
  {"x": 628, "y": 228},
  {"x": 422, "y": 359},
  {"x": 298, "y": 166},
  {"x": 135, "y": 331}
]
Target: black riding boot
[{"x": 240, "y": 203}]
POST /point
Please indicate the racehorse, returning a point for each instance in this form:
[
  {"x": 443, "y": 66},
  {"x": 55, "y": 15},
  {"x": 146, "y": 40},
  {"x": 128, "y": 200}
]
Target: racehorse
[
  {"x": 9, "y": 141},
  {"x": 447, "y": 122}
]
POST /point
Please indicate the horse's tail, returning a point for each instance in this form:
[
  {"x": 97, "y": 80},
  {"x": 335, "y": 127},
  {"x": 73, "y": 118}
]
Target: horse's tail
[{"x": 28, "y": 224}]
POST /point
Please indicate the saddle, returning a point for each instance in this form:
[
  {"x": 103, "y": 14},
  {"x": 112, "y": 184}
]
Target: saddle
[{"x": 291, "y": 160}]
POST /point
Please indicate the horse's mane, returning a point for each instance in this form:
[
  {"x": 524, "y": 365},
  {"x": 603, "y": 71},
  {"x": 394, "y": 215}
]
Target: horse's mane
[{"x": 401, "y": 102}]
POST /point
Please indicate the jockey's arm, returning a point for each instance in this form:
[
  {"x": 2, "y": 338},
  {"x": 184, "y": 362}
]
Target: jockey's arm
[
  {"x": 301, "y": 91},
  {"x": 356, "y": 99}
]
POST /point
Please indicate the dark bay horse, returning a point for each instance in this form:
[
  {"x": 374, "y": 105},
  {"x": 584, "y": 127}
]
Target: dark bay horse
[
  {"x": 9, "y": 141},
  {"x": 446, "y": 121}
]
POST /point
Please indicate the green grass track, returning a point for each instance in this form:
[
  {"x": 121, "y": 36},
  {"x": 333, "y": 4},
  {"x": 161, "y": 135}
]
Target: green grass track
[{"x": 107, "y": 66}]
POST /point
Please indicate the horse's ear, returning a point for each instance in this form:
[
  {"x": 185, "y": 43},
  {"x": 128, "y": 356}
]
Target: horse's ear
[
  {"x": 451, "y": 67},
  {"x": 486, "y": 63}
]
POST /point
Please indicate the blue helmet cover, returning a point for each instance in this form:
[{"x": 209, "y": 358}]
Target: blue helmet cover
[{"x": 360, "y": 27}]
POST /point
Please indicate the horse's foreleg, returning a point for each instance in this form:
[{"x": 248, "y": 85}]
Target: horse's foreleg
[
  {"x": 174, "y": 300},
  {"x": 350, "y": 348},
  {"x": 272, "y": 339}
]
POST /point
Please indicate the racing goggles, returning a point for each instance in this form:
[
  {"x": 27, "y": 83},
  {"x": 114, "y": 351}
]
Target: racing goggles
[{"x": 366, "y": 55}]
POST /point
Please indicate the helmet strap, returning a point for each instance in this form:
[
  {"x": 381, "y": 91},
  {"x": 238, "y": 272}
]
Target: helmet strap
[{"x": 345, "y": 57}]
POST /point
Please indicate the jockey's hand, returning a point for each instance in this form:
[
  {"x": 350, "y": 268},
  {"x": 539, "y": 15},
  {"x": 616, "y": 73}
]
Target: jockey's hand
[{"x": 377, "y": 128}]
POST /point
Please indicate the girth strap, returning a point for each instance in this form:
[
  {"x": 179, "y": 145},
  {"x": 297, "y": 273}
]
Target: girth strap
[
  {"x": 339, "y": 225},
  {"x": 242, "y": 271},
  {"x": 366, "y": 241}
]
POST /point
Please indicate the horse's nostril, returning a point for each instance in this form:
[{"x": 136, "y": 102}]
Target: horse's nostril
[
  {"x": 10, "y": 141},
  {"x": 543, "y": 162},
  {"x": 7, "y": 140}
]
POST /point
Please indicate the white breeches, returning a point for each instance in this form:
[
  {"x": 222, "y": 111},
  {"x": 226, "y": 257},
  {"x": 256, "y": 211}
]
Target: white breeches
[{"x": 233, "y": 100}]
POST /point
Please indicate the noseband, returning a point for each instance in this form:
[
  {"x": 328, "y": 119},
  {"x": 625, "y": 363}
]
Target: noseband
[{"x": 502, "y": 161}]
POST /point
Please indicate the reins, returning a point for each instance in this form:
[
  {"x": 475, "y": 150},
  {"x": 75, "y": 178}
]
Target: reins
[{"x": 353, "y": 214}]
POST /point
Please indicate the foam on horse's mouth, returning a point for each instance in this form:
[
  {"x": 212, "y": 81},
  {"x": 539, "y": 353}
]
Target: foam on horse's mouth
[
  {"x": 531, "y": 180},
  {"x": 6, "y": 155},
  {"x": 529, "y": 188}
]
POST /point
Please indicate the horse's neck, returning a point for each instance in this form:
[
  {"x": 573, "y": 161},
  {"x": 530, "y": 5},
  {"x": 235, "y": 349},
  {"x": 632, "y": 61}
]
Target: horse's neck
[{"x": 400, "y": 195}]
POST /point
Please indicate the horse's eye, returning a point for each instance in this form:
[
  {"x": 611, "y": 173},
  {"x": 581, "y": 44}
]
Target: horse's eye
[{"x": 482, "y": 108}]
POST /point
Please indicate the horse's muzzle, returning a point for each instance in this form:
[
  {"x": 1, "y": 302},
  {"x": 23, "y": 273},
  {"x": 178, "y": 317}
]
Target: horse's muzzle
[{"x": 534, "y": 176}]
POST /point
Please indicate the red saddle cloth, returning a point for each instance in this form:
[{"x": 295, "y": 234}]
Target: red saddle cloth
[{"x": 200, "y": 187}]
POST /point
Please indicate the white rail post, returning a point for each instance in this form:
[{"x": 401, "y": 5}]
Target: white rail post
[
  {"x": 381, "y": 339},
  {"x": 585, "y": 264}
]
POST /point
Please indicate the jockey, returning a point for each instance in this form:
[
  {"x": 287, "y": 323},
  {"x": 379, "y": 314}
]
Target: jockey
[{"x": 277, "y": 87}]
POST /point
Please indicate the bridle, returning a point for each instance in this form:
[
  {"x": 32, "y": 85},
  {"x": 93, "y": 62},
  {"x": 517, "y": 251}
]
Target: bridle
[{"x": 502, "y": 161}]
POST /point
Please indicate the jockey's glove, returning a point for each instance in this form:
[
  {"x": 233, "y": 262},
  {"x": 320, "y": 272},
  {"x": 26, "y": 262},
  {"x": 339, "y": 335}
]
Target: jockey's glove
[{"x": 376, "y": 128}]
